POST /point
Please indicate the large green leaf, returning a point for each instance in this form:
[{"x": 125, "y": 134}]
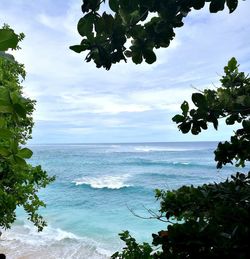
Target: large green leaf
[
  {"x": 8, "y": 39},
  {"x": 199, "y": 100},
  {"x": 85, "y": 25},
  {"x": 25, "y": 153}
]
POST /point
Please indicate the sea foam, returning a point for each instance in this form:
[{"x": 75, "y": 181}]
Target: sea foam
[
  {"x": 107, "y": 181},
  {"x": 25, "y": 242},
  {"x": 160, "y": 149}
]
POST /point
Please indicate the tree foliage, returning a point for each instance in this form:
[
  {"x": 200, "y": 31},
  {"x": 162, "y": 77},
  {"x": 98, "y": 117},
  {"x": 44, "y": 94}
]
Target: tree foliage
[
  {"x": 212, "y": 220},
  {"x": 19, "y": 181},
  {"x": 145, "y": 25},
  {"x": 231, "y": 101}
]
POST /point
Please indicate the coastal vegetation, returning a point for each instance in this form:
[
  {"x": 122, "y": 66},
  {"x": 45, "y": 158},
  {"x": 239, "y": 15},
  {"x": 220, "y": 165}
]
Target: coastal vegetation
[
  {"x": 19, "y": 181},
  {"x": 212, "y": 220}
]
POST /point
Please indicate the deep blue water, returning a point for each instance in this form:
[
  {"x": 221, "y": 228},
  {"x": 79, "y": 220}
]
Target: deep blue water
[{"x": 87, "y": 205}]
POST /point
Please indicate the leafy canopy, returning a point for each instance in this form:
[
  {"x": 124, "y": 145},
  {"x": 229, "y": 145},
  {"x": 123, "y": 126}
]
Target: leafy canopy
[
  {"x": 19, "y": 181},
  {"x": 145, "y": 25}
]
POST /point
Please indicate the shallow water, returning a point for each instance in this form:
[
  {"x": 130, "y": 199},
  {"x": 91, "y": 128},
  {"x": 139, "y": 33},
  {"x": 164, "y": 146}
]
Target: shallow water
[{"x": 96, "y": 187}]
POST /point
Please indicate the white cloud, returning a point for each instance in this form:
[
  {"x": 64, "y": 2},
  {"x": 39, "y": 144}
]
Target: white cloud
[{"x": 133, "y": 100}]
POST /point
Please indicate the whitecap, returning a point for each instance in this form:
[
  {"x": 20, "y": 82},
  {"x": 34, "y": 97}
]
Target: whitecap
[
  {"x": 181, "y": 163},
  {"x": 106, "y": 181},
  {"x": 159, "y": 149}
]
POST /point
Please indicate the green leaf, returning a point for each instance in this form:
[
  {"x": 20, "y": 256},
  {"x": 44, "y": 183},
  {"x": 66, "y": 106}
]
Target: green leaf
[
  {"x": 14, "y": 146},
  {"x": 85, "y": 25},
  {"x": 178, "y": 118},
  {"x": 2, "y": 122},
  {"x": 5, "y": 134},
  {"x": 232, "y": 5},
  {"x": 6, "y": 109},
  {"x": 78, "y": 48},
  {"x": 199, "y": 100},
  {"x": 15, "y": 97},
  {"x": 216, "y": 5},
  {"x": 232, "y": 64},
  {"x": 19, "y": 160},
  {"x": 114, "y": 5},
  {"x": 215, "y": 123},
  {"x": 198, "y": 4},
  {"x": 149, "y": 56},
  {"x": 25, "y": 153},
  {"x": 4, "y": 96},
  {"x": 137, "y": 57},
  {"x": 246, "y": 125},
  {"x": 8, "y": 39},
  {"x": 20, "y": 110},
  {"x": 185, "y": 108},
  {"x": 185, "y": 127},
  {"x": 4, "y": 152}
]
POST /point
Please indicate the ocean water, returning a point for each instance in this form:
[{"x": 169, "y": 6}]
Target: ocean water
[{"x": 96, "y": 188}]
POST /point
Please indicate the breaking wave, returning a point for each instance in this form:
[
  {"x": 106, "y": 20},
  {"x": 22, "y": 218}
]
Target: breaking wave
[{"x": 107, "y": 181}]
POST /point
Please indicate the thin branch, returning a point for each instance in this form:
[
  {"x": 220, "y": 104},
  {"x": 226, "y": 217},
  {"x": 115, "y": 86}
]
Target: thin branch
[{"x": 152, "y": 213}]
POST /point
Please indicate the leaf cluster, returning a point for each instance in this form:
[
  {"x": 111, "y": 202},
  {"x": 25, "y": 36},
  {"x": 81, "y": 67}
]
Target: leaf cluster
[
  {"x": 19, "y": 181},
  {"x": 133, "y": 250},
  {"x": 144, "y": 24},
  {"x": 211, "y": 221},
  {"x": 231, "y": 102}
]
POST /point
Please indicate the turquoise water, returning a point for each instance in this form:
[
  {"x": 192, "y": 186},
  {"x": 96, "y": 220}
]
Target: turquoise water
[{"x": 97, "y": 186}]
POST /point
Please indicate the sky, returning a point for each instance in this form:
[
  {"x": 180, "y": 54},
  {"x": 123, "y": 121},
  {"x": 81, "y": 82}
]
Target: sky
[{"x": 78, "y": 103}]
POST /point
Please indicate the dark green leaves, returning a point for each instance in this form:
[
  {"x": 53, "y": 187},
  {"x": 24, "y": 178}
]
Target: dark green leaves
[
  {"x": 200, "y": 222},
  {"x": 5, "y": 134},
  {"x": 133, "y": 249},
  {"x": 149, "y": 56},
  {"x": 8, "y": 39},
  {"x": 185, "y": 108},
  {"x": 230, "y": 101},
  {"x": 216, "y": 5},
  {"x": 231, "y": 66},
  {"x": 114, "y": 5},
  {"x": 198, "y": 4},
  {"x": 178, "y": 118},
  {"x": 128, "y": 21},
  {"x": 232, "y": 5},
  {"x": 199, "y": 100},
  {"x": 85, "y": 25},
  {"x": 19, "y": 181}
]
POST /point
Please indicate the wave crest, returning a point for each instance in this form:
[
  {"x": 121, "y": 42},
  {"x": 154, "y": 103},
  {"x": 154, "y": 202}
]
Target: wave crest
[{"x": 109, "y": 182}]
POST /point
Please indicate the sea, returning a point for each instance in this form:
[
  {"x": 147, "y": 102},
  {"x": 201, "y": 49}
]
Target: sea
[{"x": 103, "y": 189}]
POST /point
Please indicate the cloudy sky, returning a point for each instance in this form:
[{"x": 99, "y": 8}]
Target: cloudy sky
[{"x": 78, "y": 103}]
